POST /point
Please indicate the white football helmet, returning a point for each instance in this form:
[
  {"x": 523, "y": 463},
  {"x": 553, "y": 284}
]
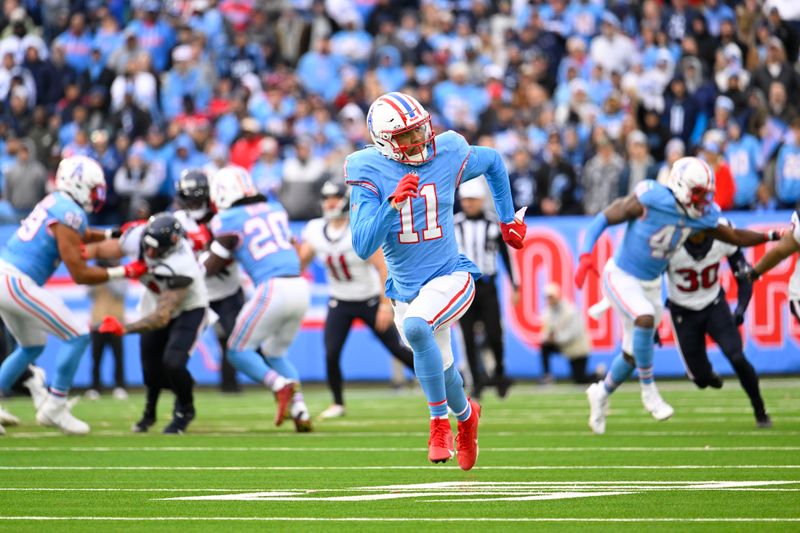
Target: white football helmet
[
  {"x": 82, "y": 179},
  {"x": 229, "y": 185},
  {"x": 692, "y": 183},
  {"x": 398, "y": 114}
]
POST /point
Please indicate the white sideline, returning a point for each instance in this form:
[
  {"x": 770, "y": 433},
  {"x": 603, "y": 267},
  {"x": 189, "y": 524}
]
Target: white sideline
[
  {"x": 382, "y": 519},
  {"x": 557, "y": 449},
  {"x": 398, "y": 467}
]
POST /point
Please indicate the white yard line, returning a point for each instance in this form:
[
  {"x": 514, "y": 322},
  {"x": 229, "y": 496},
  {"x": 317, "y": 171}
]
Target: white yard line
[
  {"x": 388, "y": 519},
  {"x": 395, "y": 467},
  {"x": 515, "y": 449}
]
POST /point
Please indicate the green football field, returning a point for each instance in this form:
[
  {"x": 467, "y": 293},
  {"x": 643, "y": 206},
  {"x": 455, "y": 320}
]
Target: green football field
[{"x": 707, "y": 468}]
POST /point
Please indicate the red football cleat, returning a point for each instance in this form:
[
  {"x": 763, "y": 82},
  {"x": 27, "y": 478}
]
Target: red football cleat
[
  {"x": 440, "y": 444},
  {"x": 467, "y": 439},
  {"x": 284, "y": 399}
]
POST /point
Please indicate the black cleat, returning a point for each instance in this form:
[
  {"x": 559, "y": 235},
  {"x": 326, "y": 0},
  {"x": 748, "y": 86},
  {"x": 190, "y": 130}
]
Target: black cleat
[
  {"x": 144, "y": 424},
  {"x": 763, "y": 421},
  {"x": 715, "y": 381},
  {"x": 503, "y": 384},
  {"x": 180, "y": 421}
]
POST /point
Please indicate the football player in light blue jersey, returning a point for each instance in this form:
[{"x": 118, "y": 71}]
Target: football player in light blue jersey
[
  {"x": 660, "y": 219},
  {"x": 404, "y": 188},
  {"x": 55, "y": 231},
  {"x": 256, "y": 233}
]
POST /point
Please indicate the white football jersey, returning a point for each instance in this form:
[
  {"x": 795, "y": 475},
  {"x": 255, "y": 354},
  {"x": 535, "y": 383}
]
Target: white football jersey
[
  {"x": 694, "y": 284},
  {"x": 219, "y": 286},
  {"x": 351, "y": 279},
  {"x": 180, "y": 262},
  {"x": 794, "y": 281}
]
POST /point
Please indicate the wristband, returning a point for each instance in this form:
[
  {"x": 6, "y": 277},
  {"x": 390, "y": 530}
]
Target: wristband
[
  {"x": 108, "y": 233},
  {"x": 217, "y": 249},
  {"x": 773, "y": 235},
  {"x": 117, "y": 272}
]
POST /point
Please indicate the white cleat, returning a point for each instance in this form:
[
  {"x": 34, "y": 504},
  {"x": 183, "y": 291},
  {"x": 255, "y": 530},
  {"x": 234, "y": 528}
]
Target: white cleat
[
  {"x": 92, "y": 394},
  {"x": 56, "y": 413},
  {"x": 119, "y": 394},
  {"x": 655, "y": 404},
  {"x": 36, "y": 386},
  {"x": 598, "y": 407},
  {"x": 7, "y": 419},
  {"x": 334, "y": 411}
]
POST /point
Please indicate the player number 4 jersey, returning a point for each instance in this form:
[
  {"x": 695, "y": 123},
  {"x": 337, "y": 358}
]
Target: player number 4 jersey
[
  {"x": 653, "y": 238},
  {"x": 350, "y": 278}
]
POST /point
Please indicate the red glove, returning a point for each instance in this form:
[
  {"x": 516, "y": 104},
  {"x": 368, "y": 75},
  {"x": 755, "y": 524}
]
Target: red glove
[
  {"x": 407, "y": 188},
  {"x": 200, "y": 238},
  {"x": 135, "y": 270},
  {"x": 110, "y": 324},
  {"x": 585, "y": 264},
  {"x": 514, "y": 233}
]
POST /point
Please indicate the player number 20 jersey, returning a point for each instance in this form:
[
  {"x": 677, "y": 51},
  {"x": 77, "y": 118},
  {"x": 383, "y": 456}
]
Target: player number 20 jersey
[
  {"x": 351, "y": 279},
  {"x": 264, "y": 247}
]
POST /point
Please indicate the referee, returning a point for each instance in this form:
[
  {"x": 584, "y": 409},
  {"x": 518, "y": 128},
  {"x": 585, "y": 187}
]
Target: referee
[{"x": 479, "y": 238}]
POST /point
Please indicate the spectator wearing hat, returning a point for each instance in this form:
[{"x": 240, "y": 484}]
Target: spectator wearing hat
[
  {"x": 457, "y": 94},
  {"x": 17, "y": 115},
  {"x": 725, "y": 186},
  {"x": 742, "y": 153},
  {"x": 601, "y": 175},
  {"x": 639, "y": 164},
  {"x": 555, "y": 180},
  {"x": 183, "y": 79},
  {"x": 479, "y": 239},
  {"x": 186, "y": 156},
  {"x": 268, "y": 170},
  {"x": 24, "y": 182},
  {"x": 247, "y": 147},
  {"x": 787, "y": 169},
  {"x": 564, "y": 331}
]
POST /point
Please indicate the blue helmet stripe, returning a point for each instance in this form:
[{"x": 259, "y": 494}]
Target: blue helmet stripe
[{"x": 399, "y": 98}]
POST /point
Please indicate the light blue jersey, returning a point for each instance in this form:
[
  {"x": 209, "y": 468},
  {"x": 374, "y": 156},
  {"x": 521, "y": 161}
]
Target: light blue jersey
[
  {"x": 651, "y": 239},
  {"x": 419, "y": 242},
  {"x": 264, "y": 247},
  {"x": 33, "y": 248}
]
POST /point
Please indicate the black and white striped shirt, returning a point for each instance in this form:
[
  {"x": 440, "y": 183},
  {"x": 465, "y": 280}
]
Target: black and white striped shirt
[{"x": 479, "y": 238}]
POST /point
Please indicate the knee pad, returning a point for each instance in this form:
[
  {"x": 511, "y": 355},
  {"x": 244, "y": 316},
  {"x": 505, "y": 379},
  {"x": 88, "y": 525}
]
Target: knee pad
[{"x": 416, "y": 330}]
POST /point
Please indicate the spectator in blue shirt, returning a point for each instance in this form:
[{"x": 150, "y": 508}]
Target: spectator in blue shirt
[
  {"x": 77, "y": 43},
  {"x": 268, "y": 170},
  {"x": 715, "y": 12},
  {"x": 390, "y": 73},
  {"x": 184, "y": 79},
  {"x": 742, "y": 156},
  {"x": 318, "y": 71},
  {"x": 787, "y": 170},
  {"x": 155, "y": 35},
  {"x": 455, "y": 96}
]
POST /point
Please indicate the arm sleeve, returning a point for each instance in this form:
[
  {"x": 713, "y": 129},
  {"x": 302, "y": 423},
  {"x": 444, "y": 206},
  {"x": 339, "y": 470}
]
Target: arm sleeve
[
  {"x": 370, "y": 220},
  {"x": 488, "y": 162},
  {"x": 739, "y": 265}
]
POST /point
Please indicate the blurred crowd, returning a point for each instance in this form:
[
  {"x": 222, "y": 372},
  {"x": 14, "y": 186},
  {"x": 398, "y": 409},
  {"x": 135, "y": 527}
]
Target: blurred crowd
[{"x": 584, "y": 98}]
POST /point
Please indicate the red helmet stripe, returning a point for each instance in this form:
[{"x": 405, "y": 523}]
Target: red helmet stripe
[{"x": 395, "y": 107}]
